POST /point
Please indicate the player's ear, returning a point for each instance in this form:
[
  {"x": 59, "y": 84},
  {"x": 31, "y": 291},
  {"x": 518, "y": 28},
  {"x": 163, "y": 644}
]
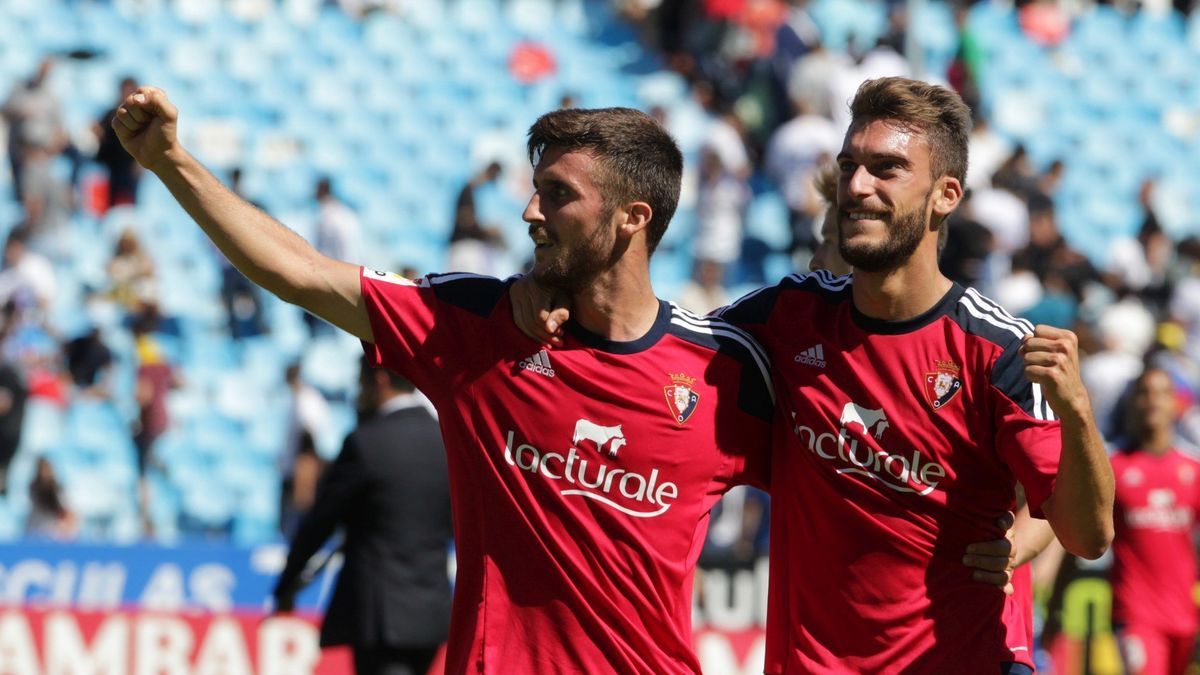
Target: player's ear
[
  {"x": 636, "y": 217},
  {"x": 947, "y": 193}
]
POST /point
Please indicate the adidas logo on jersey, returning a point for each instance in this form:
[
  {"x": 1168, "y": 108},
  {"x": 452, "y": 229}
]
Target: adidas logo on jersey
[
  {"x": 538, "y": 363},
  {"x": 813, "y": 356}
]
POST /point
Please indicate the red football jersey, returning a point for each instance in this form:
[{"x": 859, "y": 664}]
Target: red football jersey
[
  {"x": 581, "y": 477},
  {"x": 1154, "y": 558},
  {"x": 1018, "y": 614},
  {"x": 898, "y": 444}
]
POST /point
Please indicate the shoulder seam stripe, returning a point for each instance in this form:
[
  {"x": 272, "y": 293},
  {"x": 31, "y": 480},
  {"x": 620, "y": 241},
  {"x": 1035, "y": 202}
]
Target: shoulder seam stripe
[
  {"x": 987, "y": 304},
  {"x": 703, "y": 324},
  {"x": 704, "y": 321},
  {"x": 721, "y": 311},
  {"x": 984, "y": 316},
  {"x": 455, "y": 276},
  {"x": 827, "y": 284},
  {"x": 764, "y": 367}
]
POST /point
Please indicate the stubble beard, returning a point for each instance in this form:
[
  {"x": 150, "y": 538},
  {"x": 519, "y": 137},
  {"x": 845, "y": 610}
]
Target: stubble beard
[
  {"x": 904, "y": 235},
  {"x": 575, "y": 270}
]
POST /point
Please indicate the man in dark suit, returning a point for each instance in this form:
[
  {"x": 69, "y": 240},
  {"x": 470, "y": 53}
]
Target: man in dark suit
[{"x": 388, "y": 488}]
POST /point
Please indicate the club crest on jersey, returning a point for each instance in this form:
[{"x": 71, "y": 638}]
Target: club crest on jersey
[
  {"x": 942, "y": 385},
  {"x": 681, "y": 397}
]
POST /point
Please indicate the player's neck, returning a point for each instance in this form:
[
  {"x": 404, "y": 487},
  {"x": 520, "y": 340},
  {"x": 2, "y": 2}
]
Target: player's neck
[
  {"x": 902, "y": 293},
  {"x": 1157, "y": 443},
  {"x": 620, "y": 305}
]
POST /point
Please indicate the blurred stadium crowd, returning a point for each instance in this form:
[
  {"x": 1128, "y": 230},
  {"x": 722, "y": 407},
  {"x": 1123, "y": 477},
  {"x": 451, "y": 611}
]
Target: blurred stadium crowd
[{"x": 148, "y": 391}]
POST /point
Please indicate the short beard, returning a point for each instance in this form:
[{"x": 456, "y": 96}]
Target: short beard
[
  {"x": 581, "y": 265},
  {"x": 904, "y": 235}
]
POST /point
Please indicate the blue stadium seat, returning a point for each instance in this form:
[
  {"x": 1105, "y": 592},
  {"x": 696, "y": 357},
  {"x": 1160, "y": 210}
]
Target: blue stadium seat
[
  {"x": 11, "y": 525},
  {"x": 767, "y": 220}
]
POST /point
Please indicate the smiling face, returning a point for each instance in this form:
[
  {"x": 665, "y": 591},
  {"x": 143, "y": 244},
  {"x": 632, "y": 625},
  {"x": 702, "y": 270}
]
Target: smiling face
[
  {"x": 572, "y": 230},
  {"x": 885, "y": 195}
]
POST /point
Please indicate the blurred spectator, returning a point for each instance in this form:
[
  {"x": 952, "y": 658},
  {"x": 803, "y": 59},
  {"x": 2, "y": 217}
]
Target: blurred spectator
[
  {"x": 1125, "y": 331},
  {"x": 475, "y": 246},
  {"x": 306, "y": 474},
  {"x": 1185, "y": 309},
  {"x": 338, "y": 227},
  {"x": 969, "y": 247},
  {"x": 131, "y": 271},
  {"x": 896, "y": 35},
  {"x": 880, "y": 61},
  {"x": 35, "y": 127},
  {"x": 1047, "y": 250},
  {"x": 705, "y": 291},
  {"x": 154, "y": 379},
  {"x": 240, "y": 297},
  {"x": 1019, "y": 290},
  {"x": 724, "y": 135},
  {"x": 49, "y": 515},
  {"x": 964, "y": 70},
  {"x": 794, "y": 153},
  {"x": 720, "y": 211},
  {"x": 1016, "y": 174},
  {"x": 813, "y": 80},
  {"x": 36, "y": 137},
  {"x": 886, "y": 59},
  {"x": 1051, "y": 179},
  {"x": 827, "y": 255},
  {"x": 1001, "y": 210},
  {"x": 123, "y": 171},
  {"x": 308, "y": 418},
  {"x": 27, "y": 278},
  {"x": 988, "y": 150},
  {"x": 1142, "y": 264},
  {"x": 1154, "y": 514},
  {"x": 12, "y": 415},
  {"x": 737, "y": 535},
  {"x": 1058, "y": 305},
  {"x": 798, "y": 35},
  {"x": 88, "y": 360},
  {"x": 338, "y": 235},
  {"x": 389, "y": 490}
]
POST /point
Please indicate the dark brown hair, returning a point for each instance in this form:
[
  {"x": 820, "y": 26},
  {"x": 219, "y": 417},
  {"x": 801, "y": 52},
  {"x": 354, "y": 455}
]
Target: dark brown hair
[
  {"x": 934, "y": 111},
  {"x": 637, "y": 159}
]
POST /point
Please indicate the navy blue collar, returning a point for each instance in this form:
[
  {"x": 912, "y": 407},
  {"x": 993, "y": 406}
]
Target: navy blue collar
[
  {"x": 594, "y": 341},
  {"x": 882, "y": 326}
]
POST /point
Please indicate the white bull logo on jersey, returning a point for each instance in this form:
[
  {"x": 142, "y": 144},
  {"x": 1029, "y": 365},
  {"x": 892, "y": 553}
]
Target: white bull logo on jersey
[
  {"x": 856, "y": 452},
  {"x": 587, "y": 430},
  {"x": 865, "y": 418}
]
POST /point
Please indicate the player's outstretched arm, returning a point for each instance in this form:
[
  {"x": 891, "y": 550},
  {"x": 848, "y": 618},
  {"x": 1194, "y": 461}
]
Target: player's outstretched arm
[
  {"x": 1080, "y": 509},
  {"x": 259, "y": 246}
]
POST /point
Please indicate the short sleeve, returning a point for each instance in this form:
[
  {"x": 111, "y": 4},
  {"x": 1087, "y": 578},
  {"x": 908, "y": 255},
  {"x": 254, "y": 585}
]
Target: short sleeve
[
  {"x": 432, "y": 329},
  {"x": 1028, "y": 434},
  {"x": 750, "y": 312}
]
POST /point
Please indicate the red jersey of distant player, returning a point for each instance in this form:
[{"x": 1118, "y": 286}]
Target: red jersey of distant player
[
  {"x": 904, "y": 445},
  {"x": 581, "y": 477},
  {"x": 1154, "y": 556}
]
